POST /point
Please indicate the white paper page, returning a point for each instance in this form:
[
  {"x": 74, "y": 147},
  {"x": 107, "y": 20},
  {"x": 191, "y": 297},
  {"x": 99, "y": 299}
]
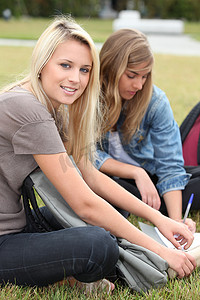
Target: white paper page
[{"x": 164, "y": 239}]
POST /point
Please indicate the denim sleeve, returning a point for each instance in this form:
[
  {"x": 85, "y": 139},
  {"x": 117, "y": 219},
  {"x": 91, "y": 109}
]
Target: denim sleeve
[
  {"x": 166, "y": 140},
  {"x": 101, "y": 157}
]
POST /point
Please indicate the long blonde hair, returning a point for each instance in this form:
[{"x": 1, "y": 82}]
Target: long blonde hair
[
  {"x": 82, "y": 118},
  {"x": 125, "y": 48}
]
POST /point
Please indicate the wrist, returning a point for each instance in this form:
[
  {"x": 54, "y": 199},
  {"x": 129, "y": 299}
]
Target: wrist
[
  {"x": 156, "y": 218},
  {"x": 173, "y": 201},
  {"x": 136, "y": 172}
]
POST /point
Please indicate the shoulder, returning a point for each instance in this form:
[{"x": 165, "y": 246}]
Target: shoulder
[
  {"x": 23, "y": 105},
  {"x": 159, "y": 98},
  {"x": 158, "y": 95},
  {"x": 159, "y": 103}
]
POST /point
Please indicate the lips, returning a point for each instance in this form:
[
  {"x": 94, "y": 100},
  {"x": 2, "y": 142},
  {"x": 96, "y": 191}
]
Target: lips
[
  {"x": 132, "y": 93},
  {"x": 71, "y": 90}
]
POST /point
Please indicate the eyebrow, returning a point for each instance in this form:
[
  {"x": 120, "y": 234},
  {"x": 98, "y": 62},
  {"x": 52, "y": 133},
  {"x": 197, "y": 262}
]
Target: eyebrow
[
  {"x": 138, "y": 73},
  {"x": 67, "y": 60},
  {"x": 133, "y": 72}
]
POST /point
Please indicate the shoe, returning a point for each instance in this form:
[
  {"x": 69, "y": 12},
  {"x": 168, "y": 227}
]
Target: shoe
[
  {"x": 100, "y": 285},
  {"x": 90, "y": 287}
]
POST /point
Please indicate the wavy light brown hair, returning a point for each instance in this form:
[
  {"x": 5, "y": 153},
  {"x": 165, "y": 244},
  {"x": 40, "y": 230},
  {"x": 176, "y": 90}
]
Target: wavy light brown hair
[
  {"x": 79, "y": 123},
  {"x": 125, "y": 48}
]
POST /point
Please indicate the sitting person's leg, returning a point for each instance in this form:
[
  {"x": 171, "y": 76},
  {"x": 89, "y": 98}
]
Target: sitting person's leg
[{"x": 86, "y": 253}]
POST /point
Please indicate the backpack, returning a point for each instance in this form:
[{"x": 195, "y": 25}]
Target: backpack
[
  {"x": 137, "y": 267},
  {"x": 190, "y": 136}
]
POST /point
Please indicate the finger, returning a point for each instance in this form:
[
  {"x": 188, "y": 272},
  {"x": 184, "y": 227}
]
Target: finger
[
  {"x": 187, "y": 236},
  {"x": 189, "y": 242},
  {"x": 144, "y": 199},
  {"x": 188, "y": 268},
  {"x": 181, "y": 274},
  {"x": 191, "y": 225},
  {"x": 175, "y": 243},
  {"x": 150, "y": 201},
  {"x": 178, "y": 237},
  {"x": 156, "y": 203},
  {"x": 191, "y": 257},
  {"x": 179, "y": 241}
]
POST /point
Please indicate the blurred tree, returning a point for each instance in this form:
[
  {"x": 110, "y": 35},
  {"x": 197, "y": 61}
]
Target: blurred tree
[
  {"x": 173, "y": 9},
  {"x": 187, "y": 9}
]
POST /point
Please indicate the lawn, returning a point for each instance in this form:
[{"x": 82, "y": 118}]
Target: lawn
[
  {"x": 30, "y": 28},
  {"x": 178, "y": 76}
]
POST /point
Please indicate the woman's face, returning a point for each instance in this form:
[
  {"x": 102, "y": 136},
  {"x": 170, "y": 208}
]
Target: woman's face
[
  {"x": 66, "y": 75},
  {"x": 132, "y": 80}
]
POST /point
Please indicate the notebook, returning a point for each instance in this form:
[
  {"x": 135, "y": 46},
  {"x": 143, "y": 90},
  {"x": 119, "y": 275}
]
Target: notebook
[{"x": 154, "y": 233}]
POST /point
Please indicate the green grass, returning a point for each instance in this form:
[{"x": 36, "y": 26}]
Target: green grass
[
  {"x": 184, "y": 289},
  {"x": 193, "y": 29},
  {"x": 178, "y": 76},
  {"x": 30, "y": 28}
]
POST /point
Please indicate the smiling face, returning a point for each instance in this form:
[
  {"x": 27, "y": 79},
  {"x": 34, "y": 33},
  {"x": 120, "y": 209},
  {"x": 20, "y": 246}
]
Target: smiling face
[
  {"x": 66, "y": 75},
  {"x": 133, "y": 80}
]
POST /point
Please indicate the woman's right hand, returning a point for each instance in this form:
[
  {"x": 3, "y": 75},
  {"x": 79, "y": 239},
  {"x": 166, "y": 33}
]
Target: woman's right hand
[
  {"x": 181, "y": 262},
  {"x": 143, "y": 182},
  {"x": 147, "y": 189}
]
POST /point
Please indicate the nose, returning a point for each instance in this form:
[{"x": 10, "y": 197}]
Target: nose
[
  {"x": 138, "y": 83},
  {"x": 74, "y": 75}
]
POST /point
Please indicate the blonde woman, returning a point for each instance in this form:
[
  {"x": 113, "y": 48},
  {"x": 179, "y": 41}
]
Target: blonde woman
[
  {"x": 35, "y": 125},
  {"x": 142, "y": 147},
  {"x": 44, "y": 118}
]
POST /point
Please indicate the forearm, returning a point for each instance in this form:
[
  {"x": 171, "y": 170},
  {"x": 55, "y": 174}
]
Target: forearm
[
  {"x": 89, "y": 206},
  {"x": 114, "y": 167},
  {"x": 116, "y": 195},
  {"x": 173, "y": 201}
]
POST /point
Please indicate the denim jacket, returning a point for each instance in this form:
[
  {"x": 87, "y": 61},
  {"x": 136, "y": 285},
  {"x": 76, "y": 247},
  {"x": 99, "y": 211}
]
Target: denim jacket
[{"x": 156, "y": 146}]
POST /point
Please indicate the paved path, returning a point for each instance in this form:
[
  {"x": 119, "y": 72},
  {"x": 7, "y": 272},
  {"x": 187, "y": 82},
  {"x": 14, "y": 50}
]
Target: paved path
[
  {"x": 165, "y": 44},
  {"x": 175, "y": 44}
]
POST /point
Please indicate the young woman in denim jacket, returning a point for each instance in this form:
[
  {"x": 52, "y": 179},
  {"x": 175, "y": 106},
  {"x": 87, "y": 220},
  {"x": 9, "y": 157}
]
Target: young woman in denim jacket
[{"x": 141, "y": 148}]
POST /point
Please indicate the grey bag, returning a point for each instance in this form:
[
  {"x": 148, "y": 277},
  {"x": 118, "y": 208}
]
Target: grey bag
[
  {"x": 54, "y": 201},
  {"x": 138, "y": 267}
]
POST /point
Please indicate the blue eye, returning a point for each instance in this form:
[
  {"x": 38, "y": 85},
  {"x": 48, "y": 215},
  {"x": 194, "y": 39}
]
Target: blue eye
[
  {"x": 65, "y": 66},
  {"x": 84, "y": 70}
]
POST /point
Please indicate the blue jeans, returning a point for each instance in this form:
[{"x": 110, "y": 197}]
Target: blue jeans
[{"x": 38, "y": 259}]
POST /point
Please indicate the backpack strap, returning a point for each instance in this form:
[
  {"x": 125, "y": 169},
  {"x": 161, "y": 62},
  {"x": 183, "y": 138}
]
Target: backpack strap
[
  {"x": 39, "y": 223},
  {"x": 189, "y": 121},
  {"x": 198, "y": 151}
]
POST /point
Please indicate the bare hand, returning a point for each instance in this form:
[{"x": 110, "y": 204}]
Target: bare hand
[
  {"x": 181, "y": 262},
  {"x": 191, "y": 224},
  {"x": 177, "y": 233},
  {"x": 147, "y": 189}
]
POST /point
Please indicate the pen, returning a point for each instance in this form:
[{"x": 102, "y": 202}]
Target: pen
[{"x": 188, "y": 207}]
